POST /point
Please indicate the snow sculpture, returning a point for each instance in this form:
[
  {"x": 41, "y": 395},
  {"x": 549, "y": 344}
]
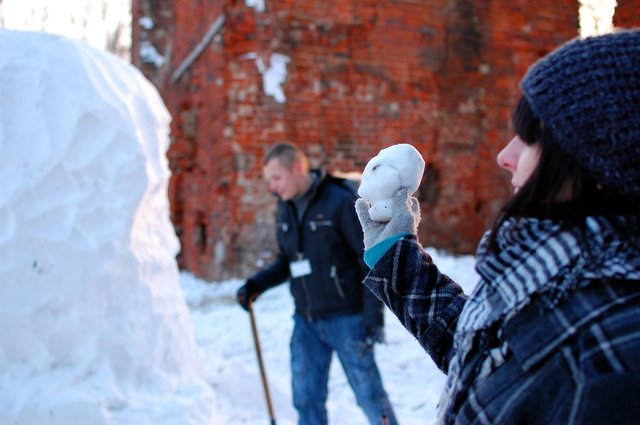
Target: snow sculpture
[
  {"x": 93, "y": 323},
  {"x": 398, "y": 166}
]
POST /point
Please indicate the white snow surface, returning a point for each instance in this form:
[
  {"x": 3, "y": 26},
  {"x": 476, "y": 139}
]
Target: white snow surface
[
  {"x": 149, "y": 54},
  {"x": 223, "y": 332},
  {"x": 258, "y": 5},
  {"x": 274, "y": 76},
  {"x": 93, "y": 325},
  {"x": 97, "y": 326}
]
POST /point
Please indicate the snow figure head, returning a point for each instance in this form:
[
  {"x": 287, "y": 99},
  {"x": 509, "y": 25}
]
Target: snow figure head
[
  {"x": 396, "y": 167},
  {"x": 95, "y": 329}
]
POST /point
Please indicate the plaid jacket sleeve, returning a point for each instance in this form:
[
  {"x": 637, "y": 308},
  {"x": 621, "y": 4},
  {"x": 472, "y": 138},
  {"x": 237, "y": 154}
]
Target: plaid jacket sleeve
[{"x": 426, "y": 301}]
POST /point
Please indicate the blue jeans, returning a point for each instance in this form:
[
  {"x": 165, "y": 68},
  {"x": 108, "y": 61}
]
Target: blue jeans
[{"x": 312, "y": 346}]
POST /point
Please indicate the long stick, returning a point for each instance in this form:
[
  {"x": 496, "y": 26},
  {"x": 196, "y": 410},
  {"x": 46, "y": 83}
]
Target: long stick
[
  {"x": 213, "y": 30},
  {"x": 263, "y": 374}
]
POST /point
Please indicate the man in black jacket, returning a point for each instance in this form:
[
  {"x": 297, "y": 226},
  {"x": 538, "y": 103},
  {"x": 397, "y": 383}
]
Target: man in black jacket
[{"x": 321, "y": 250}]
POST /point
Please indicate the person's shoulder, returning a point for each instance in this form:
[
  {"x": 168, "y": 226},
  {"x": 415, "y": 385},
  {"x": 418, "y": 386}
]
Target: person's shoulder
[{"x": 344, "y": 183}]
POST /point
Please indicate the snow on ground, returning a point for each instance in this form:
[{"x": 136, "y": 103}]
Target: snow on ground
[{"x": 223, "y": 333}]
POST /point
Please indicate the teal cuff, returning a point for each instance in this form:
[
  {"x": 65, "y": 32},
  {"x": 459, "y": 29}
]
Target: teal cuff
[{"x": 375, "y": 253}]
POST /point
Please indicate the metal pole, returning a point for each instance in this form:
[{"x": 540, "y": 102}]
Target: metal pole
[{"x": 263, "y": 374}]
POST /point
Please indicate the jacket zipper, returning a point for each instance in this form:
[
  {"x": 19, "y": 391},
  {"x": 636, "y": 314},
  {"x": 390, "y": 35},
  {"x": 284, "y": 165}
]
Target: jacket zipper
[
  {"x": 306, "y": 294},
  {"x": 299, "y": 226},
  {"x": 336, "y": 281},
  {"x": 303, "y": 282}
]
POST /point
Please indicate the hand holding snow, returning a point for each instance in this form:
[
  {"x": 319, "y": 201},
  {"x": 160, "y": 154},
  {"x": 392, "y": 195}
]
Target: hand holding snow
[{"x": 398, "y": 166}]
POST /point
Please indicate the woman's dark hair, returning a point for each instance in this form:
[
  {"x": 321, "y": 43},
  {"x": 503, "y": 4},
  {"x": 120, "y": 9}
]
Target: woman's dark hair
[{"x": 559, "y": 188}]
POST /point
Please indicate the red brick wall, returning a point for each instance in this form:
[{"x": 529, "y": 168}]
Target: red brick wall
[
  {"x": 362, "y": 75},
  {"x": 627, "y": 14}
]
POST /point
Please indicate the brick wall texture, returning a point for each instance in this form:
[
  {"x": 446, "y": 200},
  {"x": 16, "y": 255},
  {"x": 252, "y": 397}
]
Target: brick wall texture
[
  {"x": 627, "y": 14},
  {"x": 361, "y": 75}
]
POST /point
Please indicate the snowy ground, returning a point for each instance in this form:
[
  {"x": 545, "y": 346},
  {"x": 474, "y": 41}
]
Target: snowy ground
[{"x": 223, "y": 333}]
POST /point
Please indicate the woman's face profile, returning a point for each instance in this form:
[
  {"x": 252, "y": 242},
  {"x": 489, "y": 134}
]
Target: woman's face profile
[{"x": 520, "y": 159}]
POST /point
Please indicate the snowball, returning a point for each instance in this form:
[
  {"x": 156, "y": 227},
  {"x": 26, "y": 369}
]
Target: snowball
[{"x": 394, "y": 168}]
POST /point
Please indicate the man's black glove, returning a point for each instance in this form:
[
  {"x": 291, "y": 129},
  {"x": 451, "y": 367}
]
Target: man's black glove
[{"x": 246, "y": 293}]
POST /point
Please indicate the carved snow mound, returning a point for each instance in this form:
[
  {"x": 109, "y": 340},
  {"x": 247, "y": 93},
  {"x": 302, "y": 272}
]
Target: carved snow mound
[{"x": 93, "y": 324}]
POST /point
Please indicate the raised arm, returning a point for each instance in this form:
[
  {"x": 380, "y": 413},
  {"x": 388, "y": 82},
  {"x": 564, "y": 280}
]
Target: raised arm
[{"x": 405, "y": 278}]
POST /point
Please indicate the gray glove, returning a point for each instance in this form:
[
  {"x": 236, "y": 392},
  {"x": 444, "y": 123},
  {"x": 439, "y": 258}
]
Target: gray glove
[{"x": 405, "y": 219}]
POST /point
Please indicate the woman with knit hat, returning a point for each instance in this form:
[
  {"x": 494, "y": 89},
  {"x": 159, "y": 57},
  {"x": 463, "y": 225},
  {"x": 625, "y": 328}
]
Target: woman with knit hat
[{"x": 551, "y": 333}]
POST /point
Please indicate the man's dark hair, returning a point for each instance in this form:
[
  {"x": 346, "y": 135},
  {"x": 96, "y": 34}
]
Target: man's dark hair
[{"x": 287, "y": 154}]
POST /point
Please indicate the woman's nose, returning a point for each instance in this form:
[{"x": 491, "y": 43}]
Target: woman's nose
[{"x": 508, "y": 157}]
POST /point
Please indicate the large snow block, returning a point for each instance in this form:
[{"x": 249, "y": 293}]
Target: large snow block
[{"x": 94, "y": 328}]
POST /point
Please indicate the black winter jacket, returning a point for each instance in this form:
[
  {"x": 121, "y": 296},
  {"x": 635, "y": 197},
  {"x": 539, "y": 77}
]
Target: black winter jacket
[{"x": 330, "y": 237}]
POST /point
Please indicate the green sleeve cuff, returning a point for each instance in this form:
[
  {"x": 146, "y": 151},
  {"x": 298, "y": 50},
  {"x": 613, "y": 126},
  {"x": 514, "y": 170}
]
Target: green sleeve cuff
[{"x": 375, "y": 253}]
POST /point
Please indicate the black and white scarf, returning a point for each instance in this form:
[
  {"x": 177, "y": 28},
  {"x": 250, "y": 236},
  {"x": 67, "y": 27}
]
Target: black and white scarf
[{"x": 536, "y": 255}]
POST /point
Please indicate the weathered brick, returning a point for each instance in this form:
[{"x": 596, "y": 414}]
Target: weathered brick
[
  {"x": 627, "y": 14},
  {"x": 362, "y": 75}
]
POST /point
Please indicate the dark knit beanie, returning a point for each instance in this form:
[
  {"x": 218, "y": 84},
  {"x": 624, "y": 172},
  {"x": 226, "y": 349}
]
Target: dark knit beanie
[{"x": 587, "y": 92}]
